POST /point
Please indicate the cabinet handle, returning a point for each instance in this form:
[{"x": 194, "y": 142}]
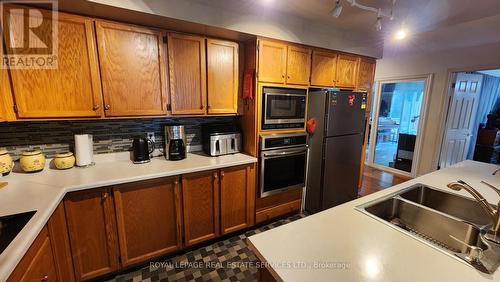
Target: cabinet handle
[
  {"x": 96, "y": 107},
  {"x": 201, "y": 107},
  {"x": 176, "y": 182},
  {"x": 215, "y": 175},
  {"x": 221, "y": 174},
  {"x": 45, "y": 278},
  {"x": 104, "y": 195},
  {"x": 288, "y": 77},
  {"x": 107, "y": 107}
]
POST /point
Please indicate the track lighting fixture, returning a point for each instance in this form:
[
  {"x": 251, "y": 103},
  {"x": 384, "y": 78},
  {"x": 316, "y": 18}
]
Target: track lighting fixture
[
  {"x": 378, "y": 24},
  {"x": 337, "y": 10}
]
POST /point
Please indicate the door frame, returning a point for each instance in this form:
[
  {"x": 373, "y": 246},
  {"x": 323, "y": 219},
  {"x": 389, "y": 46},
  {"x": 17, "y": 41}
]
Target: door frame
[
  {"x": 427, "y": 78},
  {"x": 448, "y": 93}
]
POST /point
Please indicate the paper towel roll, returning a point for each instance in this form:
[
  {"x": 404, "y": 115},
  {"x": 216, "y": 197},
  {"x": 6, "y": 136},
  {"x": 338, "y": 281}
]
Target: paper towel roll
[{"x": 84, "y": 149}]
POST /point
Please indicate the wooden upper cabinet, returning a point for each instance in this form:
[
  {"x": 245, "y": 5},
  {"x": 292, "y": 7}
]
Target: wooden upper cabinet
[
  {"x": 223, "y": 76},
  {"x": 272, "y": 61},
  {"x": 73, "y": 89},
  {"x": 187, "y": 68},
  {"x": 347, "y": 68},
  {"x": 298, "y": 65},
  {"x": 92, "y": 232},
  {"x": 366, "y": 74},
  {"x": 323, "y": 68},
  {"x": 132, "y": 69},
  {"x": 200, "y": 199},
  {"x": 237, "y": 193},
  {"x": 38, "y": 262},
  {"x": 148, "y": 216}
]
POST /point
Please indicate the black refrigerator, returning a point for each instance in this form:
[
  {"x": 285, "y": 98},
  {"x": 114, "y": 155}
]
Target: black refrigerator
[{"x": 335, "y": 147}]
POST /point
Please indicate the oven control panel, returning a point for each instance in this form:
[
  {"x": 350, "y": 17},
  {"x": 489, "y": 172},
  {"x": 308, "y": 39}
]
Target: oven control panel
[{"x": 276, "y": 141}]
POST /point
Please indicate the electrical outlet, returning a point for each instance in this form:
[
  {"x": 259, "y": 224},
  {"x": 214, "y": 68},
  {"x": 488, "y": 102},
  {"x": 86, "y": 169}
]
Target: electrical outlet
[{"x": 151, "y": 136}]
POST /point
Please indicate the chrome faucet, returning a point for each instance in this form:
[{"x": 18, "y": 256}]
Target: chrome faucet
[
  {"x": 496, "y": 171},
  {"x": 494, "y": 232}
]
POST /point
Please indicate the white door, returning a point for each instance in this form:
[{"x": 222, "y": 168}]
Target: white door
[{"x": 461, "y": 115}]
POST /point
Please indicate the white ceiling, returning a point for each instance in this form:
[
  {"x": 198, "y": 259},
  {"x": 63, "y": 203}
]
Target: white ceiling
[
  {"x": 421, "y": 15},
  {"x": 437, "y": 24},
  {"x": 433, "y": 24}
]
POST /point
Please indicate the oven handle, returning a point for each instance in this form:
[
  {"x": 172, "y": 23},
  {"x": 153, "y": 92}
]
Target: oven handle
[{"x": 285, "y": 153}]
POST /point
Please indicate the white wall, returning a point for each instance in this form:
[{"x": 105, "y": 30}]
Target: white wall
[
  {"x": 262, "y": 22},
  {"x": 440, "y": 63}
]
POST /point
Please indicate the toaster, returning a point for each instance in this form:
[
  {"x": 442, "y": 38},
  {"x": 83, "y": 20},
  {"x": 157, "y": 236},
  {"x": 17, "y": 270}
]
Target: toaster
[{"x": 221, "y": 139}]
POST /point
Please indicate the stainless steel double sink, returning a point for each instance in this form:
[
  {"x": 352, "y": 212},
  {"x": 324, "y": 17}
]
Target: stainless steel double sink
[{"x": 448, "y": 222}]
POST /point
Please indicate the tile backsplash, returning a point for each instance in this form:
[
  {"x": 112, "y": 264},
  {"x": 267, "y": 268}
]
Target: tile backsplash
[{"x": 110, "y": 136}]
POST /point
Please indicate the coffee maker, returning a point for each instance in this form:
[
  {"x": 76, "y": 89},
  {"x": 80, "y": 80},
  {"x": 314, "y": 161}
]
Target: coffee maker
[{"x": 175, "y": 142}]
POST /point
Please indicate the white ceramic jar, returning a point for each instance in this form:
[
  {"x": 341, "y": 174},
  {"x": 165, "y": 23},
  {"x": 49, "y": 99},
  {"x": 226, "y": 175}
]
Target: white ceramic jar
[
  {"x": 6, "y": 162},
  {"x": 32, "y": 161},
  {"x": 64, "y": 160}
]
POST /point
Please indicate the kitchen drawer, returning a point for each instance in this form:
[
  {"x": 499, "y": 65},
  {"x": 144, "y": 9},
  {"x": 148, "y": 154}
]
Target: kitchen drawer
[{"x": 276, "y": 211}]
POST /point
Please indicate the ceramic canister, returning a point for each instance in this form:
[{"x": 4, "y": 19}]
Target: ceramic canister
[
  {"x": 6, "y": 163},
  {"x": 32, "y": 161},
  {"x": 64, "y": 160}
]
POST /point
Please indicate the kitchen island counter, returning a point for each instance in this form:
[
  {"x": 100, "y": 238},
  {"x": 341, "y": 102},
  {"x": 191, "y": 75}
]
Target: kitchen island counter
[{"x": 344, "y": 244}]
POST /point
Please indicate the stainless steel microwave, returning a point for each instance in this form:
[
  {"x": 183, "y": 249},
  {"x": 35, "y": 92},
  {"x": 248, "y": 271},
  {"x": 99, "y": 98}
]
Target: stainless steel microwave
[{"x": 283, "y": 108}]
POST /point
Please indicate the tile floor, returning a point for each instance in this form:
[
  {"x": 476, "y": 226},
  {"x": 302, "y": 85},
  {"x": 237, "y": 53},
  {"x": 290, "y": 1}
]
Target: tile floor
[{"x": 221, "y": 261}]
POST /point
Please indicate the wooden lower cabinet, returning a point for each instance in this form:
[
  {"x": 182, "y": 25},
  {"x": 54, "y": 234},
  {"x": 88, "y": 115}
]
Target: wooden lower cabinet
[
  {"x": 270, "y": 213},
  {"x": 38, "y": 262},
  {"x": 148, "y": 218},
  {"x": 58, "y": 230},
  {"x": 91, "y": 222},
  {"x": 237, "y": 193},
  {"x": 200, "y": 201},
  {"x": 95, "y": 232}
]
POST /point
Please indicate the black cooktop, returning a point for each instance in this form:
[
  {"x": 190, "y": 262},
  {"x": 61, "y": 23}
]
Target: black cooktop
[{"x": 11, "y": 225}]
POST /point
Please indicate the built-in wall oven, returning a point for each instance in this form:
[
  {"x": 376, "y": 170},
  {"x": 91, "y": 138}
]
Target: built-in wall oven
[
  {"x": 283, "y": 162},
  {"x": 283, "y": 108}
]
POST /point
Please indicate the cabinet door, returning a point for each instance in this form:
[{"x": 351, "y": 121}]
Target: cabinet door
[
  {"x": 200, "y": 199},
  {"x": 73, "y": 89},
  {"x": 347, "y": 67},
  {"x": 272, "y": 61},
  {"x": 237, "y": 195},
  {"x": 222, "y": 65},
  {"x": 148, "y": 219},
  {"x": 91, "y": 226},
  {"x": 324, "y": 66},
  {"x": 132, "y": 69},
  {"x": 366, "y": 74},
  {"x": 298, "y": 65},
  {"x": 6, "y": 101},
  {"x": 38, "y": 262},
  {"x": 187, "y": 67},
  {"x": 58, "y": 230}
]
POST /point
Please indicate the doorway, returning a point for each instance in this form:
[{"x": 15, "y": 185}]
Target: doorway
[
  {"x": 398, "y": 112},
  {"x": 473, "y": 119}
]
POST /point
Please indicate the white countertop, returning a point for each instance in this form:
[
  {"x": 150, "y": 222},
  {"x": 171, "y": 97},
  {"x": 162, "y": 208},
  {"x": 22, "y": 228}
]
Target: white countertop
[
  {"x": 365, "y": 249},
  {"x": 43, "y": 191}
]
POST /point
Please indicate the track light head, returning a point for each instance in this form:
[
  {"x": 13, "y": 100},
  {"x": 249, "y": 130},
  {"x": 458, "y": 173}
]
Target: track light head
[
  {"x": 337, "y": 10},
  {"x": 378, "y": 24}
]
